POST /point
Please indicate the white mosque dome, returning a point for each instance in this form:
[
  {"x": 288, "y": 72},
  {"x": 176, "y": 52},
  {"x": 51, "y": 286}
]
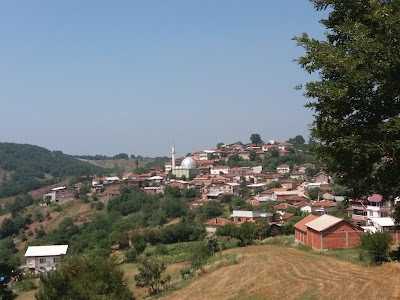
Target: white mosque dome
[{"x": 188, "y": 163}]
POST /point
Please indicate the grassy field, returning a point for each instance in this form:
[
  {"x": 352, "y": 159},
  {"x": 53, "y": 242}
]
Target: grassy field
[{"x": 271, "y": 272}]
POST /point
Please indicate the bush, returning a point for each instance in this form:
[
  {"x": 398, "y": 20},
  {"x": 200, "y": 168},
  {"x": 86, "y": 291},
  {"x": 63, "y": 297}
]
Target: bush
[
  {"x": 375, "y": 247},
  {"x": 130, "y": 256},
  {"x": 24, "y": 285},
  {"x": 161, "y": 249},
  {"x": 186, "y": 272}
]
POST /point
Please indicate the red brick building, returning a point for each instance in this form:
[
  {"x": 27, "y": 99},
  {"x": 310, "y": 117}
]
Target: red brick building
[{"x": 327, "y": 232}]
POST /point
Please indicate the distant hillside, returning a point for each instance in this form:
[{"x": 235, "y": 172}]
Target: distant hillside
[
  {"x": 129, "y": 165},
  {"x": 26, "y": 167}
]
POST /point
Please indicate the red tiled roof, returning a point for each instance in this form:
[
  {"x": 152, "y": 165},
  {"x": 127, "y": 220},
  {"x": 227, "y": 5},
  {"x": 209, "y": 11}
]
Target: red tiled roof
[
  {"x": 375, "y": 198},
  {"x": 295, "y": 198},
  {"x": 236, "y": 170},
  {"x": 287, "y": 216},
  {"x": 301, "y": 225},
  {"x": 300, "y": 204},
  {"x": 283, "y": 206}
]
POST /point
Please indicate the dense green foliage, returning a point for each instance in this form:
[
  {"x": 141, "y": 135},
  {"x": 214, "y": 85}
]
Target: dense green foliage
[
  {"x": 103, "y": 157},
  {"x": 375, "y": 247},
  {"x": 17, "y": 206},
  {"x": 8, "y": 267},
  {"x": 356, "y": 98},
  {"x": 255, "y": 138},
  {"x": 270, "y": 163},
  {"x": 247, "y": 232},
  {"x": 84, "y": 277},
  {"x": 31, "y": 167},
  {"x": 125, "y": 215}
]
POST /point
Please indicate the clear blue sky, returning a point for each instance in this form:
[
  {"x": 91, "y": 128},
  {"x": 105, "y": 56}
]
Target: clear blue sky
[{"x": 104, "y": 77}]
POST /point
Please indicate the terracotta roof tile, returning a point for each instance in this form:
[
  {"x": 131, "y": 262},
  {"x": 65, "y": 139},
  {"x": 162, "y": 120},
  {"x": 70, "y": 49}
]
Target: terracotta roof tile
[{"x": 301, "y": 225}]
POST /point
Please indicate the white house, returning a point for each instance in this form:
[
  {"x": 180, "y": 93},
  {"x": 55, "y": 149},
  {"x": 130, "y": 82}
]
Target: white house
[
  {"x": 241, "y": 216},
  {"x": 382, "y": 224},
  {"x": 44, "y": 258},
  {"x": 111, "y": 180},
  {"x": 206, "y": 154},
  {"x": 283, "y": 168},
  {"x": 216, "y": 170}
]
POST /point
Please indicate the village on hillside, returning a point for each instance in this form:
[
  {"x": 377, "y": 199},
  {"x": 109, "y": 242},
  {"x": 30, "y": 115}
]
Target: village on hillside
[{"x": 322, "y": 220}]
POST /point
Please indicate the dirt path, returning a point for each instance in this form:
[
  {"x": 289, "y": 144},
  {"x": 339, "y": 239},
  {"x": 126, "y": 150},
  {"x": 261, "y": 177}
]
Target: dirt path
[{"x": 269, "y": 272}]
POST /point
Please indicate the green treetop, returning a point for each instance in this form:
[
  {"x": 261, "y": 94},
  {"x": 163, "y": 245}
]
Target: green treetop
[{"x": 356, "y": 95}]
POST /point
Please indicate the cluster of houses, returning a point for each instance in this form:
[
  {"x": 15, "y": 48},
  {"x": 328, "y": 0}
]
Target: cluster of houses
[{"x": 204, "y": 172}]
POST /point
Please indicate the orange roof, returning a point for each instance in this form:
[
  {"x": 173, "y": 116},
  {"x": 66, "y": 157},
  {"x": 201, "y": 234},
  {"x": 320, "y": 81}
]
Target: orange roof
[
  {"x": 301, "y": 225},
  {"x": 287, "y": 216},
  {"x": 220, "y": 167},
  {"x": 236, "y": 170}
]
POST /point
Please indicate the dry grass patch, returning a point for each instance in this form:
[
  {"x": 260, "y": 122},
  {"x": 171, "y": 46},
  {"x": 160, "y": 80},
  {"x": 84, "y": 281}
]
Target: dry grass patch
[{"x": 270, "y": 272}]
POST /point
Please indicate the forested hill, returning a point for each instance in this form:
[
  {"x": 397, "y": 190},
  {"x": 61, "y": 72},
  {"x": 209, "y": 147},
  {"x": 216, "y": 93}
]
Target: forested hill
[{"x": 26, "y": 167}]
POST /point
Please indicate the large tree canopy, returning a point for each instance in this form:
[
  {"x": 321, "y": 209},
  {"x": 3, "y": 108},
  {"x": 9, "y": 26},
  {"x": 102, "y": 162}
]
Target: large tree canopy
[
  {"x": 82, "y": 278},
  {"x": 356, "y": 98}
]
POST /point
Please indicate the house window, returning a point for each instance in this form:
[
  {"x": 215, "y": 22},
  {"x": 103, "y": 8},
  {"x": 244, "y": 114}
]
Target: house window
[
  {"x": 238, "y": 219},
  {"x": 42, "y": 260},
  {"x": 56, "y": 259}
]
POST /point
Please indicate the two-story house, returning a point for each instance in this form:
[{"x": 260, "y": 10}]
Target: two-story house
[{"x": 44, "y": 258}]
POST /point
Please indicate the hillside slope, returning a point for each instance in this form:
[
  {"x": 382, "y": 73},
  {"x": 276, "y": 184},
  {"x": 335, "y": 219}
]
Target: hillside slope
[
  {"x": 270, "y": 272},
  {"x": 27, "y": 167},
  {"x": 129, "y": 165}
]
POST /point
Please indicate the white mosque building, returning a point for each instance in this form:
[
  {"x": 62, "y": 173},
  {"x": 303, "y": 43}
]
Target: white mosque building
[{"x": 187, "y": 169}]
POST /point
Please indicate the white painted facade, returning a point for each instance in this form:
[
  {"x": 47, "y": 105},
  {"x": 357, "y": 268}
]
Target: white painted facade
[{"x": 44, "y": 258}]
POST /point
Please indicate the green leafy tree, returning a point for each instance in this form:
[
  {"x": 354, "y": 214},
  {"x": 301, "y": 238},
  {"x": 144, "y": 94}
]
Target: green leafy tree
[
  {"x": 80, "y": 277},
  {"x": 190, "y": 193},
  {"x": 297, "y": 140},
  {"x": 274, "y": 185},
  {"x": 274, "y": 152},
  {"x": 312, "y": 171},
  {"x": 314, "y": 193},
  {"x": 149, "y": 275},
  {"x": 255, "y": 138},
  {"x": 396, "y": 214},
  {"x": 6, "y": 271},
  {"x": 139, "y": 243},
  {"x": 211, "y": 242},
  {"x": 172, "y": 191},
  {"x": 356, "y": 95},
  {"x": 253, "y": 156},
  {"x": 375, "y": 246},
  {"x": 130, "y": 255}
]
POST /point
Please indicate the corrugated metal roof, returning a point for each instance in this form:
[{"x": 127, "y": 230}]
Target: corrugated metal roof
[
  {"x": 383, "y": 222},
  {"x": 52, "y": 250},
  {"x": 323, "y": 222}
]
